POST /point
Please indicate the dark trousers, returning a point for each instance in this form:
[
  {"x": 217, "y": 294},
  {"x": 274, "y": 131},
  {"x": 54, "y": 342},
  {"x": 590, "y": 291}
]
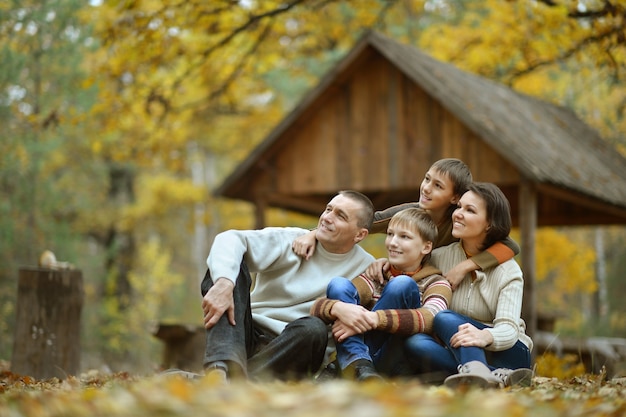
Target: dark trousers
[{"x": 295, "y": 353}]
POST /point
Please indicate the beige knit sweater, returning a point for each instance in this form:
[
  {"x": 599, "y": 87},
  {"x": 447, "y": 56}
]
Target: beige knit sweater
[{"x": 494, "y": 297}]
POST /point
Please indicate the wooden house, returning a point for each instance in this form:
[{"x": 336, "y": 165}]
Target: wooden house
[{"x": 387, "y": 111}]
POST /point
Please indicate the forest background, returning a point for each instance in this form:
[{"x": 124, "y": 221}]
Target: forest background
[{"x": 118, "y": 118}]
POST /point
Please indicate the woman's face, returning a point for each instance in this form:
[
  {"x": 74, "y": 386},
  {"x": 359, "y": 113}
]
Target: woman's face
[{"x": 469, "y": 220}]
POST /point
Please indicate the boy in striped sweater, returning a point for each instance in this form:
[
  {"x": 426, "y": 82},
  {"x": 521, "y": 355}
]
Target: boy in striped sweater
[{"x": 368, "y": 315}]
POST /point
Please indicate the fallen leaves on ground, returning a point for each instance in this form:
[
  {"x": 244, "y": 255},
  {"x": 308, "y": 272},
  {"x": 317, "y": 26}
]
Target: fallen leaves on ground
[{"x": 94, "y": 394}]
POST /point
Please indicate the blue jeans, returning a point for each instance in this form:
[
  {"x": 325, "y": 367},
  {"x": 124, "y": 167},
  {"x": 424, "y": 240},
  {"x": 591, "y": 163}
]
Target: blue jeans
[
  {"x": 427, "y": 354},
  {"x": 401, "y": 292},
  {"x": 295, "y": 353}
]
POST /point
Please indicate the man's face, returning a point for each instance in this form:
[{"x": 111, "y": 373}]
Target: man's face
[{"x": 337, "y": 229}]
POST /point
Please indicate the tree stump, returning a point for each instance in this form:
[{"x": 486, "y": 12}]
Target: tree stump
[{"x": 47, "y": 330}]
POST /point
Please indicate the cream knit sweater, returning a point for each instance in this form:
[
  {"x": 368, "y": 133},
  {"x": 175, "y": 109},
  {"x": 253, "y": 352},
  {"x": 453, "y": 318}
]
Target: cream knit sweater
[
  {"x": 493, "y": 298},
  {"x": 286, "y": 285}
]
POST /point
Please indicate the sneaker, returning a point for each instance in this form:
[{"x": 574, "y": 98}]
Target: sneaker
[
  {"x": 522, "y": 377},
  {"x": 217, "y": 371},
  {"x": 474, "y": 373},
  {"x": 180, "y": 373}
]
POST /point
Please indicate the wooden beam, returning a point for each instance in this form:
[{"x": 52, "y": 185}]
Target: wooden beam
[
  {"x": 308, "y": 205},
  {"x": 582, "y": 200}
]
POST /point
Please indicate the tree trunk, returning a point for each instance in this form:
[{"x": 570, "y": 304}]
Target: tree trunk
[{"x": 47, "y": 331}]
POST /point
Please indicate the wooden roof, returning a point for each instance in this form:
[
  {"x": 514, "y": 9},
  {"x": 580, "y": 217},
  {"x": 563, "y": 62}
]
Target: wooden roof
[{"x": 378, "y": 120}]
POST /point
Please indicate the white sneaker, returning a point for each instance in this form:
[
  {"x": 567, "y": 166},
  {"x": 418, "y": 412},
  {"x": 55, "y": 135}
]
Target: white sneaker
[
  {"x": 180, "y": 373},
  {"x": 474, "y": 373},
  {"x": 522, "y": 377}
]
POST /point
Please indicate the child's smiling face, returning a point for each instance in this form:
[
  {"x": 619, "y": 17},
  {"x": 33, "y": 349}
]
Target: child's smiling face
[
  {"x": 437, "y": 192},
  {"x": 405, "y": 248}
]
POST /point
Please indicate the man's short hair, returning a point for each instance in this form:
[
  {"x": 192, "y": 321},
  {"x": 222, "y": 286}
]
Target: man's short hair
[{"x": 365, "y": 216}]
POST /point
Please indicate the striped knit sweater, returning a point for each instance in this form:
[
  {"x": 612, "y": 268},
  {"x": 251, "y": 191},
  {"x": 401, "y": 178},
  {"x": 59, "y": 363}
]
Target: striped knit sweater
[{"x": 435, "y": 293}]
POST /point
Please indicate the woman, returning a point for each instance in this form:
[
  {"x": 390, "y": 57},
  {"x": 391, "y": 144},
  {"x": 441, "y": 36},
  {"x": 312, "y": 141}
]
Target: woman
[{"x": 483, "y": 329}]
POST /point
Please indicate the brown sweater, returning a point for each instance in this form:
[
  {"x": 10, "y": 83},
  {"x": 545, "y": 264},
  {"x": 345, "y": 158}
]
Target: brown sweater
[
  {"x": 495, "y": 255},
  {"x": 435, "y": 293}
]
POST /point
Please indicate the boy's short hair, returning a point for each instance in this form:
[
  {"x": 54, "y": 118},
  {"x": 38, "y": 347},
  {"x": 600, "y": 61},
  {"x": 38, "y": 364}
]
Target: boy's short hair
[
  {"x": 458, "y": 172},
  {"x": 416, "y": 219}
]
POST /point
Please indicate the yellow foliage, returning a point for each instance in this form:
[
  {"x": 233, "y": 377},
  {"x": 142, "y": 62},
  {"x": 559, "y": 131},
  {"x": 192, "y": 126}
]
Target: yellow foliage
[
  {"x": 152, "y": 280},
  {"x": 158, "y": 195},
  {"x": 551, "y": 366},
  {"x": 569, "y": 265}
]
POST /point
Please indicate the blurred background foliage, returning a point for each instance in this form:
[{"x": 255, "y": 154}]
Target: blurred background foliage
[{"x": 119, "y": 117}]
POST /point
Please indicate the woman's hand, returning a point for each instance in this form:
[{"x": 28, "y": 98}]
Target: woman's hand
[{"x": 469, "y": 335}]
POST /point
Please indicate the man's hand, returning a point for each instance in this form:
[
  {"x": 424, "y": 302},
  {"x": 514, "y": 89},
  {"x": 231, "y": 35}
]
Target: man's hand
[
  {"x": 217, "y": 300},
  {"x": 460, "y": 270},
  {"x": 352, "y": 319},
  {"x": 375, "y": 271}
]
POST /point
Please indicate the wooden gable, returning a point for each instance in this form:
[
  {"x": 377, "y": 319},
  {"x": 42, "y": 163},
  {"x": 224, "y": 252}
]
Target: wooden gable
[
  {"x": 374, "y": 130},
  {"x": 386, "y": 112}
]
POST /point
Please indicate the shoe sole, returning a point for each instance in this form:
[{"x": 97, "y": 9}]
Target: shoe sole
[
  {"x": 468, "y": 381},
  {"x": 180, "y": 373},
  {"x": 521, "y": 377}
]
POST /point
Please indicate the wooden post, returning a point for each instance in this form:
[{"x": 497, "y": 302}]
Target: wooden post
[
  {"x": 259, "y": 213},
  {"x": 528, "y": 226},
  {"x": 47, "y": 330}
]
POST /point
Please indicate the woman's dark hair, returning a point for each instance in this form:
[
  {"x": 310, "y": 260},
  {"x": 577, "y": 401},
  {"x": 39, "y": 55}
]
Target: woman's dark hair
[{"x": 498, "y": 211}]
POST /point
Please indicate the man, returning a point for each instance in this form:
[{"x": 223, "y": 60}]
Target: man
[{"x": 267, "y": 332}]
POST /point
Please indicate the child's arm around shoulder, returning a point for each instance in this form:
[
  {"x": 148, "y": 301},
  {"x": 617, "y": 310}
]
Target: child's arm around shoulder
[
  {"x": 304, "y": 245},
  {"x": 382, "y": 217},
  {"x": 495, "y": 255}
]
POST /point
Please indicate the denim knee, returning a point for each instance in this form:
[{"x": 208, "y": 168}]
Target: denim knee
[
  {"x": 446, "y": 324},
  {"x": 417, "y": 345},
  {"x": 447, "y": 320},
  {"x": 401, "y": 292},
  {"x": 401, "y": 285},
  {"x": 342, "y": 289}
]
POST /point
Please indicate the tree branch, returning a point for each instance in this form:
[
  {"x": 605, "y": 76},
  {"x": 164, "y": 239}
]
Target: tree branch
[
  {"x": 567, "y": 54},
  {"x": 608, "y": 9}
]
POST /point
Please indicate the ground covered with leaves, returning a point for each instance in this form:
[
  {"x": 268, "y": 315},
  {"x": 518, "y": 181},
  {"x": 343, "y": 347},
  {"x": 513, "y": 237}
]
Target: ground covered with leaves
[{"x": 94, "y": 394}]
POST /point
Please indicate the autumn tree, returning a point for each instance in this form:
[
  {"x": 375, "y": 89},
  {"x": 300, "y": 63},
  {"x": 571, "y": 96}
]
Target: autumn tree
[
  {"x": 569, "y": 52},
  {"x": 42, "y": 108}
]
